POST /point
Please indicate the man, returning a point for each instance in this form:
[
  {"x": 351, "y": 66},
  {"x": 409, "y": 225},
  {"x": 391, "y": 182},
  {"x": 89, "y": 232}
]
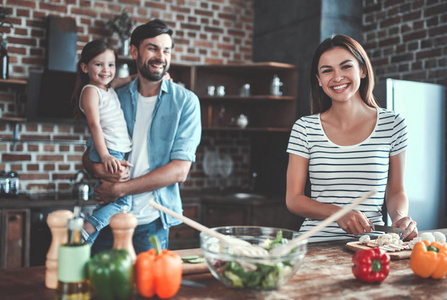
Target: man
[{"x": 164, "y": 122}]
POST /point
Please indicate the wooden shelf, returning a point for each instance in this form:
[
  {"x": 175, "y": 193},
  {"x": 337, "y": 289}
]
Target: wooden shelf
[
  {"x": 13, "y": 81},
  {"x": 247, "y": 98},
  {"x": 271, "y": 129},
  {"x": 12, "y": 119}
]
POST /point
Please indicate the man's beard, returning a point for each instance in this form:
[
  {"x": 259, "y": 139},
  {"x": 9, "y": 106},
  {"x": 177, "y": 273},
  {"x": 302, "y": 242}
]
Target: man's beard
[{"x": 145, "y": 70}]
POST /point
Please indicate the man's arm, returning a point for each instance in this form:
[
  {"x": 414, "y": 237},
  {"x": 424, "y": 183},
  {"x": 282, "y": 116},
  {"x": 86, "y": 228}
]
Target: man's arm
[{"x": 171, "y": 173}]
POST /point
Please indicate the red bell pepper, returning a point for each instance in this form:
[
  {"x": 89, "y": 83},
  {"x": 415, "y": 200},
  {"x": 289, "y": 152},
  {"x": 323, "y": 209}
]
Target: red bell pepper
[
  {"x": 158, "y": 272},
  {"x": 371, "y": 265}
]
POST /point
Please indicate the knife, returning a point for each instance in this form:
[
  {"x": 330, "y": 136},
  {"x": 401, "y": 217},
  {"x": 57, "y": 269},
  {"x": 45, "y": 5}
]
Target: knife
[
  {"x": 387, "y": 229},
  {"x": 191, "y": 283}
]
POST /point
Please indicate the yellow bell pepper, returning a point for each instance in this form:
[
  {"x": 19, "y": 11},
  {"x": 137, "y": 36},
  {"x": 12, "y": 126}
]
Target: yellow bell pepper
[{"x": 429, "y": 259}]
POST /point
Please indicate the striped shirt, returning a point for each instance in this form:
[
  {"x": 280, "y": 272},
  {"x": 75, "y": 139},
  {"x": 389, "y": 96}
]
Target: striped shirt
[
  {"x": 111, "y": 119},
  {"x": 340, "y": 174}
]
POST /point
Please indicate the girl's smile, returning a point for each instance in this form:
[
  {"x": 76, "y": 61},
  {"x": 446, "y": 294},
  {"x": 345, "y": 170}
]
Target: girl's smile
[{"x": 101, "y": 69}]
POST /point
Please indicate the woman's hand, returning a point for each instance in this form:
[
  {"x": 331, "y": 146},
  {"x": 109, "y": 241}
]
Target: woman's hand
[
  {"x": 409, "y": 225},
  {"x": 354, "y": 222}
]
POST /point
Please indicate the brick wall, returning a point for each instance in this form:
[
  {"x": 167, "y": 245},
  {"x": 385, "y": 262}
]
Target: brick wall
[
  {"x": 213, "y": 31},
  {"x": 407, "y": 39}
]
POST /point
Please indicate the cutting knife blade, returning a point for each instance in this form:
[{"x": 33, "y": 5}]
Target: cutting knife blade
[
  {"x": 387, "y": 229},
  {"x": 191, "y": 283}
]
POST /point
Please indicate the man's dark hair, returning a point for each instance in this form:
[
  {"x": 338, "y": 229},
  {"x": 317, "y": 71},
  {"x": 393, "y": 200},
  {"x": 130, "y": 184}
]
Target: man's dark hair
[{"x": 149, "y": 30}]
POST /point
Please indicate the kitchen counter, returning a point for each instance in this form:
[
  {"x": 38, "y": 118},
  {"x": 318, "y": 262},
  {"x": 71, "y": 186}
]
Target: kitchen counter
[{"x": 325, "y": 273}]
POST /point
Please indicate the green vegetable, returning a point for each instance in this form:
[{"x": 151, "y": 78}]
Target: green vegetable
[
  {"x": 193, "y": 259},
  {"x": 111, "y": 274},
  {"x": 263, "y": 277}
]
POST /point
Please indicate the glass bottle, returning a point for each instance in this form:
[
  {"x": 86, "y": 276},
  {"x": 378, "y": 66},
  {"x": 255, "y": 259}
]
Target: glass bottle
[
  {"x": 275, "y": 88},
  {"x": 72, "y": 259},
  {"x": 4, "y": 61}
]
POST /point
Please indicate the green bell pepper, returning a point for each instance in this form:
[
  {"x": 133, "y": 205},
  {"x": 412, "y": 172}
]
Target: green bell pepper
[{"x": 111, "y": 274}]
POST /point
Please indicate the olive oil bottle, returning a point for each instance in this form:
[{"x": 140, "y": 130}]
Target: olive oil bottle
[{"x": 72, "y": 260}]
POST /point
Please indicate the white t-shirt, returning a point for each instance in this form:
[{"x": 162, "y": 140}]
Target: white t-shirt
[{"x": 139, "y": 157}]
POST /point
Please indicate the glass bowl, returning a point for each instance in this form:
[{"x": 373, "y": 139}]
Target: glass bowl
[{"x": 253, "y": 273}]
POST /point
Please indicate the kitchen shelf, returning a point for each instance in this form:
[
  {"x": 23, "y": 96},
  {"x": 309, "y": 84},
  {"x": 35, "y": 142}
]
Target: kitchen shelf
[
  {"x": 265, "y": 112},
  {"x": 13, "y": 82},
  {"x": 12, "y": 119},
  {"x": 247, "y": 98},
  {"x": 249, "y": 129}
]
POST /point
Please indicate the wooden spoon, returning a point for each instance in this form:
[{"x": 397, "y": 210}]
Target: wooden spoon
[
  {"x": 238, "y": 246},
  {"x": 284, "y": 249}
]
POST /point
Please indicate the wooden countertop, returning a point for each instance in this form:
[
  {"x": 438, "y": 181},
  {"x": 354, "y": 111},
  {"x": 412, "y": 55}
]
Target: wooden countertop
[{"x": 325, "y": 273}]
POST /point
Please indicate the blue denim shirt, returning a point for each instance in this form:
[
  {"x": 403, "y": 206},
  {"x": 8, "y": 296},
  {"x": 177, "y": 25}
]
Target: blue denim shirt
[{"x": 175, "y": 133}]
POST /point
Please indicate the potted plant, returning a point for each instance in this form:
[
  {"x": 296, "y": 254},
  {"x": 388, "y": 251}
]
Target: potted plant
[
  {"x": 122, "y": 24},
  {"x": 4, "y": 59}
]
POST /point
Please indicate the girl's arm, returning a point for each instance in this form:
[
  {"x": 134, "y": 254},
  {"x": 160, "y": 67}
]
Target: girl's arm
[
  {"x": 119, "y": 82},
  {"x": 354, "y": 222},
  {"x": 396, "y": 198},
  {"x": 90, "y": 103}
]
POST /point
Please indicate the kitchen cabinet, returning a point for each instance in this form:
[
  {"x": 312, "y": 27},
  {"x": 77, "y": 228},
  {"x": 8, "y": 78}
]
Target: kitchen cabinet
[
  {"x": 265, "y": 112},
  {"x": 14, "y": 237},
  {"x": 226, "y": 210},
  {"x": 183, "y": 236}
]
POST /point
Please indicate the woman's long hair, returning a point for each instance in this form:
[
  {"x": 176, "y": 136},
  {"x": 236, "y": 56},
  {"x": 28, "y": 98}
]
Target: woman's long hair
[
  {"x": 320, "y": 101},
  {"x": 90, "y": 51}
]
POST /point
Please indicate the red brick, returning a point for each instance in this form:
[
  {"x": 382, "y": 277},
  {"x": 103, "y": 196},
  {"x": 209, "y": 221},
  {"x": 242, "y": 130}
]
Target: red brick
[
  {"x": 32, "y": 167},
  {"x": 74, "y": 158},
  {"x": 15, "y": 157},
  {"x": 155, "y": 5},
  {"x": 57, "y": 176},
  {"x": 21, "y": 3},
  {"x": 34, "y": 176},
  {"x": 83, "y": 12},
  {"x": 63, "y": 167},
  {"x": 53, "y": 7},
  {"x": 55, "y": 157}
]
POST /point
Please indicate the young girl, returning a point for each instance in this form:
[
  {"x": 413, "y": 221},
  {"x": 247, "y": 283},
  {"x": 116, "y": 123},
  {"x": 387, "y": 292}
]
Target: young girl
[
  {"x": 95, "y": 98},
  {"x": 349, "y": 146}
]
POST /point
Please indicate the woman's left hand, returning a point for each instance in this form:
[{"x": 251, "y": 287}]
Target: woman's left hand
[{"x": 409, "y": 225}]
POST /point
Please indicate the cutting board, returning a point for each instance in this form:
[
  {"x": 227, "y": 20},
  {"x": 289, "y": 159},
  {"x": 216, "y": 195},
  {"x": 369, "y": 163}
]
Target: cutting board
[
  {"x": 356, "y": 246},
  {"x": 189, "y": 268}
]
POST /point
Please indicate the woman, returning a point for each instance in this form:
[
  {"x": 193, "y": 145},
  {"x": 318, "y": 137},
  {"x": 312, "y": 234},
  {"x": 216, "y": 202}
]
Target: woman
[{"x": 349, "y": 146}]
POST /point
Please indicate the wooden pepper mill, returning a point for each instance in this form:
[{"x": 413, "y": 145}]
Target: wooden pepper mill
[
  {"x": 57, "y": 221},
  {"x": 123, "y": 226}
]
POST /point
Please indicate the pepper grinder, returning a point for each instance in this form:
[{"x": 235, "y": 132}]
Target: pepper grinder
[
  {"x": 123, "y": 226},
  {"x": 57, "y": 221}
]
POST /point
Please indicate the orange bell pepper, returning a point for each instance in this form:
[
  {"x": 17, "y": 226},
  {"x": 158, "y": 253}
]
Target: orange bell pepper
[
  {"x": 429, "y": 259},
  {"x": 158, "y": 272}
]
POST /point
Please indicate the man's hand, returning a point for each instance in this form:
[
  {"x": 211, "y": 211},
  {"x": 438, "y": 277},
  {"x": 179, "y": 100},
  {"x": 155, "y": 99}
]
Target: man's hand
[{"x": 106, "y": 192}]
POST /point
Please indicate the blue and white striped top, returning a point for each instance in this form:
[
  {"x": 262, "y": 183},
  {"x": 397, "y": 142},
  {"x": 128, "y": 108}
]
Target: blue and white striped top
[{"x": 340, "y": 174}]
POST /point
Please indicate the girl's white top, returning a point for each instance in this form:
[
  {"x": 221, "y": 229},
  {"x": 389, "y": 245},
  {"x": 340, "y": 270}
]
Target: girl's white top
[{"x": 112, "y": 120}]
